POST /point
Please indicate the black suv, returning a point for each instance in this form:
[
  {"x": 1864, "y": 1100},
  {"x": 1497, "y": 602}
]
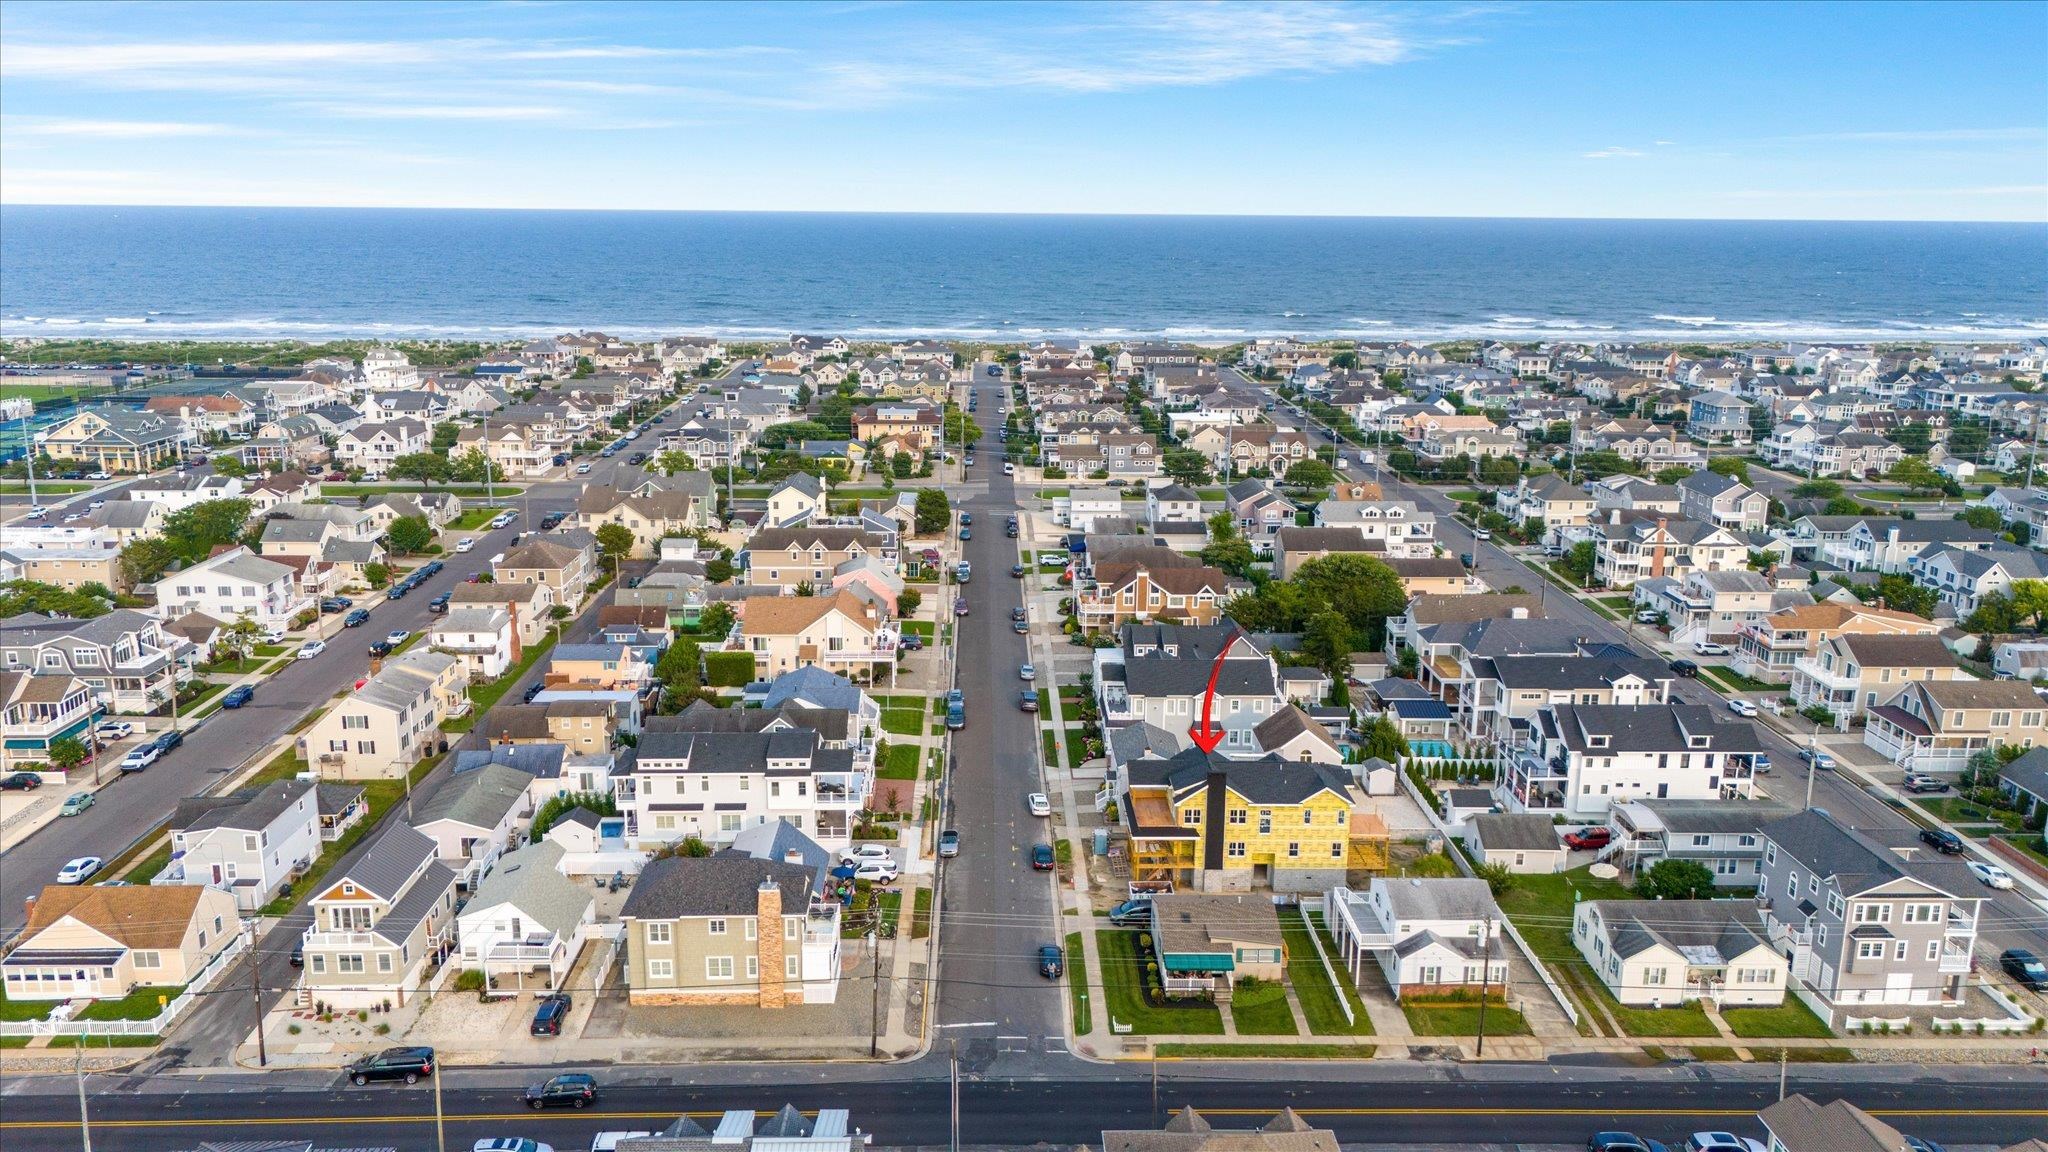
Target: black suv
[
  {"x": 2024, "y": 967},
  {"x": 547, "y": 1019},
  {"x": 1942, "y": 840},
  {"x": 407, "y": 1064},
  {"x": 569, "y": 1090}
]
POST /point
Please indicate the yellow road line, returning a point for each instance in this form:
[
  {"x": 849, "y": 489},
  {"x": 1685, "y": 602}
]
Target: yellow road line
[{"x": 478, "y": 1117}]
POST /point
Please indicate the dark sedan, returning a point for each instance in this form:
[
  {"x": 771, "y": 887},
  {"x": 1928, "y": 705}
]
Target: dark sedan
[
  {"x": 568, "y": 1090},
  {"x": 1051, "y": 962},
  {"x": 356, "y": 619},
  {"x": 1042, "y": 858}
]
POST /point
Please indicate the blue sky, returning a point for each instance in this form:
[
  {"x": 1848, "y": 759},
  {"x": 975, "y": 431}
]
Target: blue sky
[{"x": 1893, "y": 111}]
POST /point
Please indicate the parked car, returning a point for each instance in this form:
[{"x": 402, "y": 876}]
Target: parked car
[
  {"x": 397, "y": 636},
  {"x": 237, "y": 696},
  {"x": 967, "y": 534},
  {"x": 566, "y": 1090},
  {"x": 168, "y": 739},
  {"x": 1589, "y": 839},
  {"x": 1481, "y": 534},
  {"x": 356, "y": 619},
  {"x": 2024, "y": 967},
  {"x": 912, "y": 642},
  {"x": 108, "y": 730},
  {"x": 876, "y": 871},
  {"x": 1942, "y": 840},
  {"x": 959, "y": 607},
  {"x": 335, "y": 604},
  {"x": 949, "y": 843},
  {"x": 76, "y": 804},
  {"x": 1051, "y": 962},
  {"x": 956, "y": 710},
  {"x": 1018, "y": 613},
  {"x": 80, "y": 870},
  {"x": 1621, "y": 1142},
  {"x": 1042, "y": 858},
  {"x": 1742, "y": 707},
  {"x": 1921, "y": 782},
  {"x": 1820, "y": 760},
  {"x": 583, "y": 469},
  {"x": 311, "y": 648},
  {"x": 550, "y": 520},
  {"x": 864, "y": 852},
  {"x": 532, "y": 690},
  {"x": 439, "y": 604},
  {"x": 139, "y": 758},
  {"x": 1133, "y": 913},
  {"x": 547, "y": 1021},
  {"x": 407, "y": 1064},
  {"x": 1721, "y": 1142},
  {"x": 1038, "y": 804},
  {"x": 1989, "y": 875},
  {"x": 1685, "y": 668},
  {"x": 381, "y": 649},
  {"x": 1027, "y": 701},
  {"x": 20, "y": 782},
  {"x": 465, "y": 544},
  {"x": 1017, "y": 570},
  {"x": 1709, "y": 648},
  {"x": 1021, "y": 627}
]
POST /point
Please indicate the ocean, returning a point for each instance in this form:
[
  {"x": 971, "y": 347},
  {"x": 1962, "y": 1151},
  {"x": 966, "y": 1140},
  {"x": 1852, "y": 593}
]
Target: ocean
[{"x": 218, "y": 273}]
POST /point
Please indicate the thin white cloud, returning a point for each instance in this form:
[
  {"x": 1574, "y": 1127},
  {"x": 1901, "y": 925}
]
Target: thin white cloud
[
  {"x": 1614, "y": 153},
  {"x": 114, "y": 129},
  {"x": 396, "y": 111}
]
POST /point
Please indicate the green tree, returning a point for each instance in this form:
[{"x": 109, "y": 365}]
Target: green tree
[
  {"x": 445, "y": 436},
  {"x": 378, "y": 573},
  {"x": 1328, "y": 641},
  {"x": 1817, "y": 490},
  {"x": 144, "y": 560},
  {"x": 934, "y": 512},
  {"x": 241, "y": 635},
  {"x": 229, "y": 466},
  {"x": 1914, "y": 438},
  {"x": 1578, "y": 561},
  {"x": 1732, "y": 467},
  {"x": 68, "y": 752},
  {"x": 674, "y": 461},
  {"x": 1185, "y": 466},
  {"x": 908, "y": 601},
  {"x": 1994, "y": 614},
  {"x": 1916, "y": 475},
  {"x": 1361, "y": 589},
  {"x": 1676, "y": 880},
  {"x": 1673, "y": 475},
  {"x": 681, "y": 673},
  {"x": 409, "y": 535},
  {"x": 1981, "y": 517},
  {"x": 1500, "y": 879},
  {"x": 616, "y": 542},
  {"x": 1384, "y": 741},
  {"x": 1310, "y": 474},
  {"x": 428, "y": 467},
  {"x": 1968, "y": 440},
  {"x": 2030, "y": 600},
  {"x": 779, "y": 436},
  {"x": 471, "y": 467},
  {"x": 1842, "y": 506},
  {"x": 195, "y": 531},
  {"x": 558, "y": 806},
  {"x": 18, "y": 596},
  {"x": 715, "y": 620}
]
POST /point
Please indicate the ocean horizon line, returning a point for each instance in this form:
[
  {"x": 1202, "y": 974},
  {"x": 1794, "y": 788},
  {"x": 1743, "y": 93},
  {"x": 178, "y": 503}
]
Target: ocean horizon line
[{"x": 972, "y": 214}]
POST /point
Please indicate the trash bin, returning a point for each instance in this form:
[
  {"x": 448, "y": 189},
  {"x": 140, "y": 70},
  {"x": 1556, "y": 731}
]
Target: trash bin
[{"x": 1102, "y": 841}]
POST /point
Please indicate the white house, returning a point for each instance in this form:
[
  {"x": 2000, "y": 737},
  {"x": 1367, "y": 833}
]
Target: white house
[
  {"x": 1428, "y": 935},
  {"x": 526, "y": 916},
  {"x": 233, "y": 584},
  {"x": 246, "y": 845},
  {"x": 372, "y": 447},
  {"x": 1080, "y": 509},
  {"x": 1576, "y": 760},
  {"x": 480, "y": 636},
  {"x": 1662, "y": 953},
  {"x": 713, "y": 785}
]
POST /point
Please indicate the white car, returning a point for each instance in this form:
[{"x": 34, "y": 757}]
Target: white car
[
  {"x": 1481, "y": 534},
  {"x": 1009, "y": 469},
  {"x": 876, "y": 871},
  {"x": 37, "y": 511},
  {"x": 1709, "y": 648},
  {"x": 583, "y": 469},
  {"x": 1039, "y": 803},
  {"x": 861, "y": 853},
  {"x": 113, "y": 730},
  {"x": 464, "y": 544},
  {"x": 79, "y": 870},
  {"x": 1648, "y": 617},
  {"x": 1742, "y": 708},
  {"x": 95, "y": 505},
  {"x": 397, "y": 636},
  {"x": 1990, "y": 875},
  {"x": 139, "y": 758},
  {"x": 1027, "y": 672},
  {"x": 100, "y": 476},
  {"x": 311, "y": 649},
  {"x": 1721, "y": 1142}
]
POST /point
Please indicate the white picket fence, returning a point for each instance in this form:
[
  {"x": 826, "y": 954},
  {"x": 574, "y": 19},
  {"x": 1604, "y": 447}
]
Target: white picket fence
[{"x": 157, "y": 1026}]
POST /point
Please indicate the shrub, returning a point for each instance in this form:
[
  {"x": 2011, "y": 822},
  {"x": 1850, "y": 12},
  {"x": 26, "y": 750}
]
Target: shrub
[
  {"x": 469, "y": 980},
  {"x": 729, "y": 669}
]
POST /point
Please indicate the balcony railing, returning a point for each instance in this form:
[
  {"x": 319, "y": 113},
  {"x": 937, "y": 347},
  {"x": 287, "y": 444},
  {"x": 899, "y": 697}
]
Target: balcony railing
[{"x": 321, "y": 940}]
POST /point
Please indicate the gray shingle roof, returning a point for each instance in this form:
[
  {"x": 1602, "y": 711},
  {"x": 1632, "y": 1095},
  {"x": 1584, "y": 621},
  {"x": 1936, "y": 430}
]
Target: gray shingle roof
[
  {"x": 530, "y": 880},
  {"x": 480, "y": 798},
  {"x": 383, "y": 864},
  {"x": 1516, "y": 832},
  {"x": 1440, "y": 898},
  {"x": 723, "y": 884}
]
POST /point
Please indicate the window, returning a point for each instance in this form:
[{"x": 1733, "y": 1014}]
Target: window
[
  {"x": 1236, "y": 849},
  {"x": 661, "y": 969},
  {"x": 792, "y": 966},
  {"x": 716, "y": 926},
  {"x": 1293, "y": 849},
  {"x": 1933, "y": 950},
  {"x": 747, "y": 927},
  {"x": 789, "y": 928},
  {"x": 1923, "y": 914},
  {"x": 350, "y": 962},
  {"x": 718, "y": 967},
  {"x": 1770, "y": 853},
  {"x": 1870, "y": 950},
  {"x": 148, "y": 959},
  {"x": 383, "y": 961},
  {"x": 1191, "y": 816},
  {"x": 1872, "y": 913},
  {"x": 1238, "y": 815},
  {"x": 658, "y": 933},
  {"x": 1656, "y": 976},
  {"x": 1900, "y": 952},
  {"x": 753, "y": 967},
  {"x": 319, "y": 964}
]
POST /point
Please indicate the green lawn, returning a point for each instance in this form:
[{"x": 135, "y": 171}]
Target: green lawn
[
  {"x": 922, "y": 629},
  {"x": 1052, "y": 752},
  {"x": 232, "y": 667},
  {"x": 899, "y": 722},
  {"x": 140, "y": 1004},
  {"x": 1790, "y": 1020},
  {"x": 1123, "y": 985},
  {"x": 1312, "y": 986},
  {"x": 146, "y": 868},
  {"x": 1076, "y": 745},
  {"x": 901, "y": 762},
  {"x": 1044, "y": 702},
  {"x": 1447, "y": 1019},
  {"x": 16, "y": 1011},
  {"x": 1957, "y": 810},
  {"x": 1261, "y": 1010},
  {"x": 1803, "y": 1055},
  {"x": 1224, "y": 1050},
  {"x": 482, "y": 697},
  {"x": 921, "y": 915},
  {"x": 472, "y": 519},
  {"x": 1738, "y": 681},
  {"x": 1077, "y": 984}
]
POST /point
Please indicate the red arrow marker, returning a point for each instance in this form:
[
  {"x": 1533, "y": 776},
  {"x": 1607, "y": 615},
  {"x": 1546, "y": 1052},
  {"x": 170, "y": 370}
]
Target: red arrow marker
[{"x": 1207, "y": 735}]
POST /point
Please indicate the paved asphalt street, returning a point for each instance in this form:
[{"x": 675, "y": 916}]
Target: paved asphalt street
[
  {"x": 1443, "y": 1105},
  {"x": 996, "y": 912}
]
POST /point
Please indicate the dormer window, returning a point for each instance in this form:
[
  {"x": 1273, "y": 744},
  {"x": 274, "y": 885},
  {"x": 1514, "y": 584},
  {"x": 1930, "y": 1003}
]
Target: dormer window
[{"x": 1596, "y": 741}]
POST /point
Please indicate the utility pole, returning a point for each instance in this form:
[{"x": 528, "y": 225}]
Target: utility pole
[
  {"x": 1485, "y": 977},
  {"x": 28, "y": 453},
  {"x": 875, "y": 1013},
  {"x": 78, "y": 1072},
  {"x": 953, "y": 1144},
  {"x": 440, "y": 1130},
  {"x": 1812, "y": 762},
  {"x": 1781, "y": 1073},
  {"x": 256, "y": 995}
]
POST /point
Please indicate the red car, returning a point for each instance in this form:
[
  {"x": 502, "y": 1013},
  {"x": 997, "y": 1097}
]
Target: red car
[
  {"x": 337, "y": 475},
  {"x": 1591, "y": 838}
]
